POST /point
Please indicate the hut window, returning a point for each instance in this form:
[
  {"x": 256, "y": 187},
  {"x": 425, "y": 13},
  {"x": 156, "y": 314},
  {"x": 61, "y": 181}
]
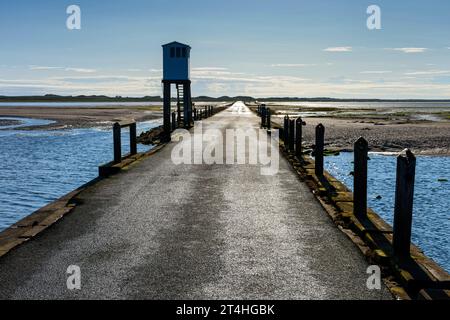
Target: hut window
[
  {"x": 178, "y": 52},
  {"x": 184, "y": 51},
  {"x": 172, "y": 52}
]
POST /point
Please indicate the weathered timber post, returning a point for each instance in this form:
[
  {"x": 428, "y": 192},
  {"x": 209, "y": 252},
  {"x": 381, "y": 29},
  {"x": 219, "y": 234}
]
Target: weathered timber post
[
  {"x": 299, "y": 123},
  {"x": 286, "y": 131},
  {"x": 117, "y": 142},
  {"x": 318, "y": 151},
  {"x": 133, "y": 139},
  {"x": 174, "y": 122},
  {"x": 212, "y": 110},
  {"x": 179, "y": 114},
  {"x": 361, "y": 148},
  {"x": 291, "y": 135},
  {"x": 263, "y": 117},
  {"x": 268, "y": 121},
  {"x": 404, "y": 194},
  {"x": 187, "y": 104},
  {"x": 195, "y": 114},
  {"x": 166, "y": 114}
]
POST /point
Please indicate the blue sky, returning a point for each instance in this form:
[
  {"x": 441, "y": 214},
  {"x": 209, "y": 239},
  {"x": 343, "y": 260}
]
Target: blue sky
[{"x": 249, "y": 47}]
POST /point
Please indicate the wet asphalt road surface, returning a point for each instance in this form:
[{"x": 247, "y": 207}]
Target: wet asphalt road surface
[{"x": 193, "y": 231}]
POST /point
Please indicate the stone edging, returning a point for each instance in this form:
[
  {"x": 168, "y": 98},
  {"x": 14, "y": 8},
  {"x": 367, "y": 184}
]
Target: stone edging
[
  {"x": 420, "y": 278},
  {"x": 40, "y": 220}
]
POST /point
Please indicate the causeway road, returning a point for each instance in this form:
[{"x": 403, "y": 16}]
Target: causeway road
[{"x": 162, "y": 230}]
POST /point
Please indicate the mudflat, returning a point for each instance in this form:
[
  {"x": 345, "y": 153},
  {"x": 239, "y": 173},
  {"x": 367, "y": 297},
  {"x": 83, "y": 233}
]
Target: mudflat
[
  {"x": 425, "y": 132},
  {"x": 81, "y": 117}
]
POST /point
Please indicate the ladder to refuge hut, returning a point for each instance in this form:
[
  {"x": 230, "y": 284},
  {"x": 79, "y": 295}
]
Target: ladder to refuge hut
[{"x": 180, "y": 104}]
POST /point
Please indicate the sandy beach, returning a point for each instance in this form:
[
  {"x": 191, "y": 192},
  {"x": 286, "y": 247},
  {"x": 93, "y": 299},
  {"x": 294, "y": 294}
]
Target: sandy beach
[
  {"x": 426, "y": 132},
  {"x": 80, "y": 117},
  {"x": 385, "y": 131},
  {"x": 427, "y": 138}
]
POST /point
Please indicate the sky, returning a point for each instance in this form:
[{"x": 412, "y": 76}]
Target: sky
[{"x": 262, "y": 48}]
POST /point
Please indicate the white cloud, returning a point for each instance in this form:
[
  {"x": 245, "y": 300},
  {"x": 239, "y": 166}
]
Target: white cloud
[
  {"x": 338, "y": 49},
  {"x": 43, "y": 68},
  {"x": 293, "y": 65},
  {"x": 209, "y": 69},
  {"x": 376, "y": 72},
  {"x": 410, "y": 50},
  {"x": 427, "y": 72},
  {"x": 221, "y": 81},
  {"x": 69, "y": 69},
  {"x": 81, "y": 70}
]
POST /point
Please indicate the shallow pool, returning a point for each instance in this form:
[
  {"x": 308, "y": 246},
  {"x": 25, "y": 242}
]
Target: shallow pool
[
  {"x": 40, "y": 166},
  {"x": 431, "y": 215}
]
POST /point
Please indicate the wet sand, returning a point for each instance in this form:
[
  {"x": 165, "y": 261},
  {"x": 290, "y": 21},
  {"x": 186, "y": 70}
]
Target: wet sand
[
  {"x": 425, "y": 132},
  {"x": 75, "y": 117},
  {"x": 422, "y": 137},
  {"x": 4, "y": 122},
  {"x": 384, "y": 132}
]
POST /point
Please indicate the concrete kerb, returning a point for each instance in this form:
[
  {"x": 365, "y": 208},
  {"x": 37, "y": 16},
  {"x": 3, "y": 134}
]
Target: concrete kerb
[
  {"x": 374, "y": 238},
  {"x": 40, "y": 220}
]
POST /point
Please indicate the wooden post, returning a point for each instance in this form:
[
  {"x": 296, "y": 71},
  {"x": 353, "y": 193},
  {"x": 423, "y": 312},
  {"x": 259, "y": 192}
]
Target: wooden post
[
  {"x": 117, "y": 143},
  {"x": 291, "y": 135},
  {"x": 268, "y": 121},
  {"x": 286, "y": 131},
  {"x": 133, "y": 140},
  {"x": 166, "y": 113},
  {"x": 298, "y": 137},
  {"x": 187, "y": 107},
  {"x": 361, "y": 148},
  {"x": 174, "y": 122},
  {"x": 195, "y": 114},
  {"x": 318, "y": 151},
  {"x": 404, "y": 194},
  {"x": 263, "y": 117},
  {"x": 179, "y": 114}
]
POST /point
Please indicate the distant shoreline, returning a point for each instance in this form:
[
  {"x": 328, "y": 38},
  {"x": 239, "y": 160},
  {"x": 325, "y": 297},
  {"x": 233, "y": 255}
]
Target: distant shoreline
[{"x": 102, "y": 98}]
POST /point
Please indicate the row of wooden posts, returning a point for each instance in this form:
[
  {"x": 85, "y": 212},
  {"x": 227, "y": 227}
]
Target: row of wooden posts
[
  {"x": 197, "y": 114},
  {"x": 117, "y": 139},
  {"x": 405, "y": 175}
]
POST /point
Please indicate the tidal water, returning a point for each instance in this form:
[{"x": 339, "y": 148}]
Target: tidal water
[
  {"x": 40, "y": 166},
  {"x": 78, "y": 104},
  {"x": 431, "y": 215}
]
